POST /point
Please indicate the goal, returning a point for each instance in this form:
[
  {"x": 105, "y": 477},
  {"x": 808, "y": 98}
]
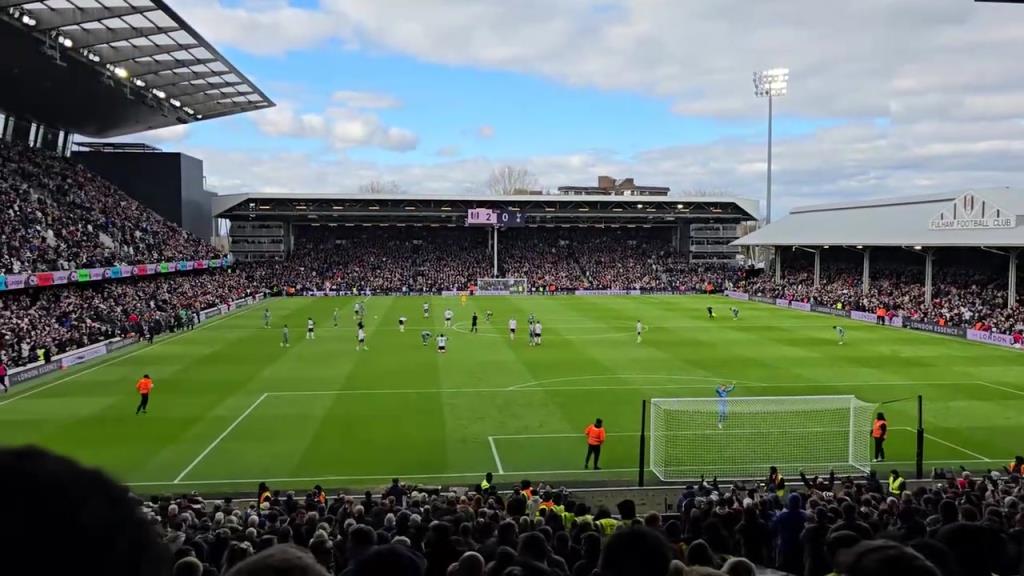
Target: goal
[
  {"x": 811, "y": 433},
  {"x": 511, "y": 285}
]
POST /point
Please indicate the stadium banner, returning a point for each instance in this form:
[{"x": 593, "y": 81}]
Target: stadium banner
[
  {"x": 115, "y": 272},
  {"x": 200, "y": 264},
  {"x": 3, "y": 282},
  {"x": 96, "y": 273},
  {"x": 16, "y": 281},
  {"x": 863, "y": 316},
  {"x": 164, "y": 267},
  {"x": 82, "y": 275},
  {"x": 990, "y": 338},
  {"x": 830, "y": 310},
  {"x": 800, "y": 306},
  {"x": 143, "y": 270},
  {"x": 607, "y": 292},
  {"x": 782, "y": 302},
  {"x": 61, "y": 277},
  {"x": 763, "y": 300},
  {"x": 215, "y": 263},
  {"x": 78, "y": 356},
  {"x": 737, "y": 295},
  {"x": 936, "y": 329},
  {"x": 21, "y": 375},
  {"x": 118, "y": 343}
]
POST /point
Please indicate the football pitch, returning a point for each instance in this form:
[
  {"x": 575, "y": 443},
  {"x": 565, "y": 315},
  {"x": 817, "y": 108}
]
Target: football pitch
[{"x": 231, "y": 407}]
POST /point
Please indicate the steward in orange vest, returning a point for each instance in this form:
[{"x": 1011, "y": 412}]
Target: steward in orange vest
[
  {"x": 595, "y": 438},
  {"x": 144, "y": 385},
  {"x": 879, "y": 430}
]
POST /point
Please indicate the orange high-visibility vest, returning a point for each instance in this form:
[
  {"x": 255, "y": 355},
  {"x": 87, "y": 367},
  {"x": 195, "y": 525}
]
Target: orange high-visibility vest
[
  {"x": 595, "y": 435},
  {"x": 876, "y": 429}
]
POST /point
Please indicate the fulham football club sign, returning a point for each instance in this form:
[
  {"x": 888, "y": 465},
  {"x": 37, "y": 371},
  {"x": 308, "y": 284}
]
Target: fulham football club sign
[{"x": 971, "y": 212}]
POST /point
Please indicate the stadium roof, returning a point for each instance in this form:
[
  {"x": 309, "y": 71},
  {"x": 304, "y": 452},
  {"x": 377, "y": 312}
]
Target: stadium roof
[
  {"x": 451, "y": 209},
  {"x": 141, "y": 47},
  {"x": 974, "y": 218}
]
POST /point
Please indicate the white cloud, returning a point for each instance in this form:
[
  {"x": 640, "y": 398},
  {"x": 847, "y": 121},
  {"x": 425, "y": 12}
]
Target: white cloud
[
  {"x": 365, "y": 100},
  {"x": 262, "y": 26},
  {"x": 342, "y": 128},
  {"x": 486, "y": 132},
  {"x": 928, "y": 90}
]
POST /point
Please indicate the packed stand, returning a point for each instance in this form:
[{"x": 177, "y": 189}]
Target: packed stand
[
  {"x": 40, "y": 323},
  {"x": 960, "y": 296},
  {"x": 962, "y": 526},
  {"x": 68, "y": 218},
  {"x": 384, "y": 259},
  {"x": 603, "y": 259}
]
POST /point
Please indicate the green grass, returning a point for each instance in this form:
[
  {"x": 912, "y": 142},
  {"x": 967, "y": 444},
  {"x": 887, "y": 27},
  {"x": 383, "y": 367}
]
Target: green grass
[{"x": 231, "y": 407}]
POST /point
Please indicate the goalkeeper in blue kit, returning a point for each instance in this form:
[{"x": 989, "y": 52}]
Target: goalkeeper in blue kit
[{"x": 723, "y": 391}]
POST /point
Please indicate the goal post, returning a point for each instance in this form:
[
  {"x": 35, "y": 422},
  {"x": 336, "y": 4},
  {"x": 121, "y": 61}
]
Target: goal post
[{"x": 742, "y": 437}]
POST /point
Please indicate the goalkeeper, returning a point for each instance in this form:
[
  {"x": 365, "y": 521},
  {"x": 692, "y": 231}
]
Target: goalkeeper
[{"x": 723, "y": 391}]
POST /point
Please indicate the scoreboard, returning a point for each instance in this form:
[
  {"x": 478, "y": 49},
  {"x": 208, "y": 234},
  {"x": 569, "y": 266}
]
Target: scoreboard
[{"x": 499, "y": 218}]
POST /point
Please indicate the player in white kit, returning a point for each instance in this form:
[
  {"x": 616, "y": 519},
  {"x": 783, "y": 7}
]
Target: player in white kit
[{"x": 512, "y": 328}]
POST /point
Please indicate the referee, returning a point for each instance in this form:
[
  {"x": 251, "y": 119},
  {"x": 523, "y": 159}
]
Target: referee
[
  {"x": 144, "y": 385},
  {"x": 595, "y": 438}
]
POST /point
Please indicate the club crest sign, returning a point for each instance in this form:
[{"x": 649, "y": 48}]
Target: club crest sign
[{"x": 970, "y": 212}]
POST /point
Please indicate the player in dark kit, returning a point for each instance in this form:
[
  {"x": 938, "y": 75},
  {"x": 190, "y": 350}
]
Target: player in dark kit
[
  {"x": 473, "y": 323},
  {"x": 711, "y": 313}
]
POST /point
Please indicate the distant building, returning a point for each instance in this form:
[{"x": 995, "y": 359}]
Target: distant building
[{"x": 608, "y": 186}]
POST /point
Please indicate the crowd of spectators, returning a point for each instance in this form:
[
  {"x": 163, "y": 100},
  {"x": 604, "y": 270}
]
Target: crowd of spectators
[
  {"x": 384, "y": 259},
  {"x": 962, "y": 526},
  {"x": 961, "y": 296},
  {"x": 40, "y": 323},
  {"x": 59, "y": 216}
]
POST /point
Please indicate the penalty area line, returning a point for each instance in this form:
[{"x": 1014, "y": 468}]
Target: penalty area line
[
  {"x": 219, "y": 438},
  {"x": 997, "y": 387},
  {"x": 494, "y": 451}
]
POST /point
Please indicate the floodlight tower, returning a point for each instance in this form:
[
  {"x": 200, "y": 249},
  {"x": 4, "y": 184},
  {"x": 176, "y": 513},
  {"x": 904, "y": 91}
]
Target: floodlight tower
[{"x": 769, "y": 84}]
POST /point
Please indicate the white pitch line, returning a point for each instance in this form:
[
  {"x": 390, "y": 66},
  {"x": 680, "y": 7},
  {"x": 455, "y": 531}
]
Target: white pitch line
[
  {"x": 951, "y": 445},
  {"x": 219, "y": 438},
  {"x": 482, "y": 474},
  {"x": 567, "y": 388},
  {"x": 494, "y": 451},
  {"x": 122, "y": 357},
  {"x": 997, "y": 387}
]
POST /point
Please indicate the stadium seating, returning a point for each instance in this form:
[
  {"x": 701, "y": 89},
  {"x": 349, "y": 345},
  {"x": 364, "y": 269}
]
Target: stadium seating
[
  {"x": 960, "y": 526},
  {"x": 59, "y": 216},
  {"x": 960, "y": 296},
  {"x": 54, "y": 320}
]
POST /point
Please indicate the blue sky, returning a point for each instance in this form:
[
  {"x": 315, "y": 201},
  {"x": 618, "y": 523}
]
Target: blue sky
[{"x": 435, "y": 94}]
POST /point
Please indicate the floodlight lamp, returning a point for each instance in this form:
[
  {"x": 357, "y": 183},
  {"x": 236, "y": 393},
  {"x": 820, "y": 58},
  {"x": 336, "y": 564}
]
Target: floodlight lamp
[
  {"x": 139, "y": 82},
  {"x": 120, "y": 72},
  {"x": 175, "y": 103}
]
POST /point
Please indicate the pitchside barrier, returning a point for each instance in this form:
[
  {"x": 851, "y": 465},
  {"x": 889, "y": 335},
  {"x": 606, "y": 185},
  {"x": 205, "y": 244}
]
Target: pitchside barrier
[
  {"x": 64, "y": 361},
  {"x": 1004, "y": 340}
]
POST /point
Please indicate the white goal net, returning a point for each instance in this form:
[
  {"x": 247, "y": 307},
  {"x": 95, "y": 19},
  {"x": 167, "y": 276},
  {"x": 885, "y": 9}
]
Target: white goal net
[
  {"x": 742, "y": 437},
  {"x": 511, "y": 285}
]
